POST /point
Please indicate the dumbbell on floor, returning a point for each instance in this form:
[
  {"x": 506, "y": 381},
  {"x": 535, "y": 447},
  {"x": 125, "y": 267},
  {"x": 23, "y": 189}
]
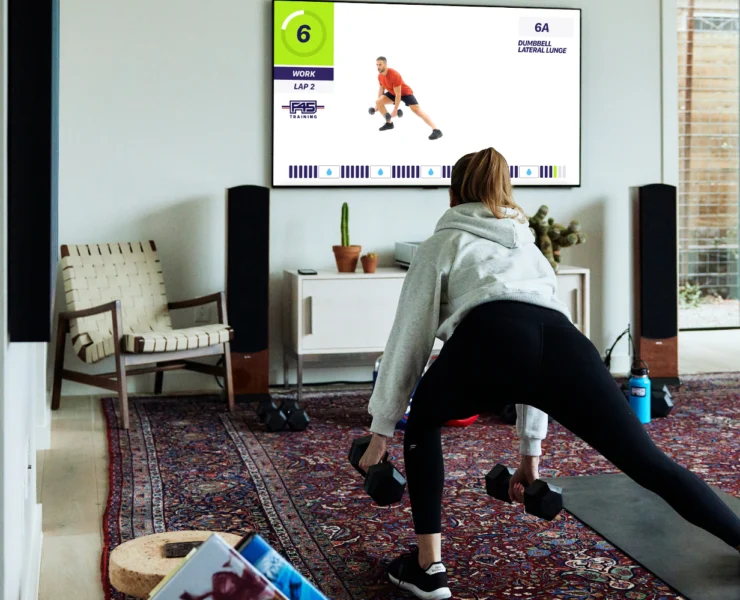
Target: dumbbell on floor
[
  {"x": 271, "y": 416},
  {"x": 541, "y": 499},
  {"x": 508, "y": 414},
  {"x": 276, "y": 418},
  {"x": 372, "y": 111},
  {"x": 296, "y": 417},
  {"x": 383, "y": 483}
]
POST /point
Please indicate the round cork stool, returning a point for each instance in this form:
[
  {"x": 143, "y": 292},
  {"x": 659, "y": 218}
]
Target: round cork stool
[{"x": 137, "y": 566}]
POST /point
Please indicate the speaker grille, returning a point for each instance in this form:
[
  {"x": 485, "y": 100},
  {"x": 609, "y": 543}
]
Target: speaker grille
[
  {"x": 248, "y": 266},
  {"x": 658, "y": 268},
  {"x": 32, "y": 167}
]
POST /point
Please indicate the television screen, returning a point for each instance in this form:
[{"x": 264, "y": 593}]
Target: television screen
[{"x": 372, "y": 94}]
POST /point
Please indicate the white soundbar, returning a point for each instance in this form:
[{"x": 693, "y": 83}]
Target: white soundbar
[{"x": 405, "y": 252}]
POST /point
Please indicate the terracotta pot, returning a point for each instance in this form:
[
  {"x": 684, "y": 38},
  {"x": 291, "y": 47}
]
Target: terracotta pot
[
  {"x": 346, "y": 257},
  {"x": 369, "y": 264}
]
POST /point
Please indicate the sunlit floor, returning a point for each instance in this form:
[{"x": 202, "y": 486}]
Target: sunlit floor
[
  {"x": 709, "y": 351},
  {"x": 73, "y": 491}
]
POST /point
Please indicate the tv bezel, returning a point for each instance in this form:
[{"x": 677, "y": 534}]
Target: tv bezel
[{"x": 420, "y": 185}]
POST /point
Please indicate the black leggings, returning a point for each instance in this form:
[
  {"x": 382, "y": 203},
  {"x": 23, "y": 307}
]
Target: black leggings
[{"x": 511, "y": 352}]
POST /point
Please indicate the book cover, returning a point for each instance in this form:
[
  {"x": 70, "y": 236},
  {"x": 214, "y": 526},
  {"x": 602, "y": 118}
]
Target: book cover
[
  {"x": 171, "y": 574},
  {"x": 215, "y": 571},
  {"x": 278, "y": 571}
]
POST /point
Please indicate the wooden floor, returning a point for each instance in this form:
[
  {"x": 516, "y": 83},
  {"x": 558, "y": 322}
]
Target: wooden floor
[
  {"x": 73, "y": 476},
  {"x": 73, "y": 490},
  {"x": 709, "y": 351}
]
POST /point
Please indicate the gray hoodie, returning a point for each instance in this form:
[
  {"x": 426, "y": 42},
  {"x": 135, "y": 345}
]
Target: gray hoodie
[{"x": 472, "y": 258}]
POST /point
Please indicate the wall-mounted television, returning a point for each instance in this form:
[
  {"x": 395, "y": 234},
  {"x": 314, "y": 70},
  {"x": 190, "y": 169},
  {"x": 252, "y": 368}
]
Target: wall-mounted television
[{"x": 376, "y": 94}]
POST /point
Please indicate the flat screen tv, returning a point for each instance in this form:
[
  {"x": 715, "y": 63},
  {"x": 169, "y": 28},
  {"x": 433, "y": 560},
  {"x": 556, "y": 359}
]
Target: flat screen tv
[{"x": 374, "y": 94}]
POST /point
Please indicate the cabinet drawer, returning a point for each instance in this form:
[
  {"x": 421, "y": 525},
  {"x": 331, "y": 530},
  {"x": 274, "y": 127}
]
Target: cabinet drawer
[{"x": 348, "y": 314}]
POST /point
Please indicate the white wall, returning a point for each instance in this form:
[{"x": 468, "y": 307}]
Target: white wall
[
  {"x": 164, "y": 104},
  {"x": 669, "y": 82},
  {"x": 21, "y": 386}
]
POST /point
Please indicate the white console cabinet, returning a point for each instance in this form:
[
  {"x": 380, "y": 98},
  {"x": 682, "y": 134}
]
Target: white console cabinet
[{"x": 352, "y": 313}]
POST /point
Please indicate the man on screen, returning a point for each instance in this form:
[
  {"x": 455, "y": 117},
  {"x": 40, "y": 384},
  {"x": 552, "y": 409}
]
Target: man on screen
[{"x": 392, "y": 91}]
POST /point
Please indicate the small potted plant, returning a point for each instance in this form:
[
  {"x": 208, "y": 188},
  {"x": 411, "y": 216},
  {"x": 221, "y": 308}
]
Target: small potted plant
[
  {"x": 369, "y": 262},
  {"x": 345, "y": 254}
]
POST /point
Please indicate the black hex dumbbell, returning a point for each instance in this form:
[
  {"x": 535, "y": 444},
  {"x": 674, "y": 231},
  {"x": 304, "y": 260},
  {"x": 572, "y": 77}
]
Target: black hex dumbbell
[
  {"x": 383, "y": 482},
  {"x": 508, "y": 414},
  {"x": 541, "y": 499},
  {"x": 296, "y": 417},
  {"x": 661, "y": 403},
  {"x": 271, "y": 416}
]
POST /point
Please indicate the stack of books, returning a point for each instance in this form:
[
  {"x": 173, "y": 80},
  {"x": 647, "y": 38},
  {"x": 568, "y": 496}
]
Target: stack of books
[{"x": 252, "y": 570}]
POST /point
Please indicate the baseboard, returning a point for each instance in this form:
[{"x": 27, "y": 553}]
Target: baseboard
[
  {"x": 43, "y": 436},
  {"x": 30, "y": 589}
]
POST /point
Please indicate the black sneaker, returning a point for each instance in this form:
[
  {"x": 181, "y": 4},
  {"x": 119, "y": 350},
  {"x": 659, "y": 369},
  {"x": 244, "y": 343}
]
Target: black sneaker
[
  {"x": 431, "y": 584},
  {"x": 436, "y": 134},
  {"x": 386, "y": 127}
]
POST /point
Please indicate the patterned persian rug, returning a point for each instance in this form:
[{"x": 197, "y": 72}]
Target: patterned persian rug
[{"x": 187, "y": 464}]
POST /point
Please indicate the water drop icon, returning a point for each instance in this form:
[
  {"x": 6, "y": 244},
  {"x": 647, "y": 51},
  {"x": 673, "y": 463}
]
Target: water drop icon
[
  {"x": 431, "y": 171},
  {"x": 328, "y": 171},
  {"x": 529, "y": 171},
  {"x": 380, "y": 171}
]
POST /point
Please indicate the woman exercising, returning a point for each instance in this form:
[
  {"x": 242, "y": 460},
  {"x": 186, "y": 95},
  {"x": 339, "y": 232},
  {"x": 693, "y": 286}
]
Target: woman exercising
[{"x": 482, "y": 277}]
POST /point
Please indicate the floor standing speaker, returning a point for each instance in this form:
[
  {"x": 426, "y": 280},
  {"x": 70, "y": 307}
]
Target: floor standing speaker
[
  {"x": 32, "y": 166},
  {"x": 247, "y": 286},
  {"x": 655, "y": 300}
]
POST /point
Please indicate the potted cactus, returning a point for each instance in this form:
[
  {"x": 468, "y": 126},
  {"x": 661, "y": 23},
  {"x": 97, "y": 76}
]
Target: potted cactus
[
  {"x": 369, "y": 262},
  {"x": 345, "y": 254}
]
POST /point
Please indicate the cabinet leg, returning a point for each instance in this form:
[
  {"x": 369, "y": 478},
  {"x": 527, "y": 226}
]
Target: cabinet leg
[{"x": 300, "y": 378}]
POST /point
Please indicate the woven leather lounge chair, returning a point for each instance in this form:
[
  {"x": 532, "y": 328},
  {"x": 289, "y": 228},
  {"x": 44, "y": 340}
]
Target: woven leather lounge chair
[{"x": 117, "y": 306}]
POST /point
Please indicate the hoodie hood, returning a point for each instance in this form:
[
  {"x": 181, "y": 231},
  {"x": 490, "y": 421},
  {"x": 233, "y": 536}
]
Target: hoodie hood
[{"x": 475, "y": 218}]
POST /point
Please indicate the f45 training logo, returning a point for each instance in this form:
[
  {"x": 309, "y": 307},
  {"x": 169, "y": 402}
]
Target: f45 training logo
[{"x": 303, "y": 109}]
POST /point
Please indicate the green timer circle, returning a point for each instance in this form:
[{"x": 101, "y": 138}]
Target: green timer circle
[{"x": 304, "y": 35}]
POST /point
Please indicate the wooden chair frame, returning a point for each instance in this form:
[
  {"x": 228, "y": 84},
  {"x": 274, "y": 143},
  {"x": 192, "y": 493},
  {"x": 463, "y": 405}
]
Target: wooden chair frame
[{"x": 129, "y": 364}]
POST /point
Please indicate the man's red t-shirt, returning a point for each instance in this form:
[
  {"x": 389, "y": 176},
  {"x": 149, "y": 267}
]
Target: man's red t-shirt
[{"x": 391, "y": 79}]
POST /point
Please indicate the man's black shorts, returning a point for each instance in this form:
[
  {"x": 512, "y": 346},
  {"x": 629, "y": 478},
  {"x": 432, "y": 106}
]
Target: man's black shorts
[{"x": 409, "y": 100}]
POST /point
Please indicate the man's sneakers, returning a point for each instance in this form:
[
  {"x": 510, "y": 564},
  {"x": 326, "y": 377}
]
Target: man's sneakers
[
  {"x": 435, "y": 135},
  {"x": 431, "y": 584}
]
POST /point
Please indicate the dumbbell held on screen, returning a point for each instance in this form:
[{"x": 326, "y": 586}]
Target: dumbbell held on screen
[
  {"x": 372, "y": 111},
  {"x": 541, "y": 499},
  {"x": 383, "y": 482}
]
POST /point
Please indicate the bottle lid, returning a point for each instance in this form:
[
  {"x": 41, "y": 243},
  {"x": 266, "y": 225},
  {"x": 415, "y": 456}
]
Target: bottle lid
[{"x": 639, "y": 368}]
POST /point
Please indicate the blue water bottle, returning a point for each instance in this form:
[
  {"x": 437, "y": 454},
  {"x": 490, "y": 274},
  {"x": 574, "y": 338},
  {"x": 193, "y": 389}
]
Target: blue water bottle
[{"x": 640, "y": 395}]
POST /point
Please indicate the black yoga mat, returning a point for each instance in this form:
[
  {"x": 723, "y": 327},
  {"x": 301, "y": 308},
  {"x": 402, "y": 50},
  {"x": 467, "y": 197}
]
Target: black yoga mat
[{"x": 642, "y": 525}]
